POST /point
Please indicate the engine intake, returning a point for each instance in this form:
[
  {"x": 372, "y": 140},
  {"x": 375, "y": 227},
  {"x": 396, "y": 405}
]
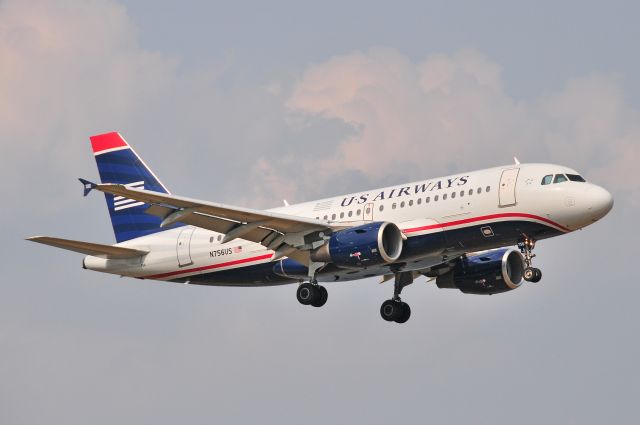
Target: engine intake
[
  {"x": 490, "y": 272},
  {"x": 362, "y": 246}
]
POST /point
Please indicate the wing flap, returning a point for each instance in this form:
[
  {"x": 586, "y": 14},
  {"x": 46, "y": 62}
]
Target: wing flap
[{"x": 89, "y": 248}]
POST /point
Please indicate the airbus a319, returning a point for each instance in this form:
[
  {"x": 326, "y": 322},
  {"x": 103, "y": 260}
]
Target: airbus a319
[{"x": 473, "y": 231}]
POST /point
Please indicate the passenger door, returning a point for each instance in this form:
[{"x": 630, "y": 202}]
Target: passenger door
[{"x": 508, "y": 187}]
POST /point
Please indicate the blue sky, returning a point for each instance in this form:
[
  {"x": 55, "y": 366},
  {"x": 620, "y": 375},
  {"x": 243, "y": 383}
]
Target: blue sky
[{"x": 252, "y": 103}]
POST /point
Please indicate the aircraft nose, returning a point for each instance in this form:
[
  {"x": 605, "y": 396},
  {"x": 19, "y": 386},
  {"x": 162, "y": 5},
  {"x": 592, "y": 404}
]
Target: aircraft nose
[{"x": 600, "y": 202}]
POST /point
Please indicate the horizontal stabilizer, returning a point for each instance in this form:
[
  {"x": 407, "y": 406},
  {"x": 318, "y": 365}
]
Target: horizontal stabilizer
[{"x": 95, "y": 249}]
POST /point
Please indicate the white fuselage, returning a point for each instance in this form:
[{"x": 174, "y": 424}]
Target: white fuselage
[{"x": 441, "y": 217}]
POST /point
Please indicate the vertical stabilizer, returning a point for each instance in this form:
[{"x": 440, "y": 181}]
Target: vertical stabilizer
[{"x": 119, "y": 163}]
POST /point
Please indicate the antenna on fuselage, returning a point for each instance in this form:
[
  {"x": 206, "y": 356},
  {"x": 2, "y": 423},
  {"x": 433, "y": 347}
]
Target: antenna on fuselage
[{"x": 516, "y": 160}]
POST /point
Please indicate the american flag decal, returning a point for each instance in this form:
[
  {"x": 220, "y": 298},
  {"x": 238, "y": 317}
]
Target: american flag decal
[
  {"x": 237, "y": 249},
  {"x": 121, "y": 203}
]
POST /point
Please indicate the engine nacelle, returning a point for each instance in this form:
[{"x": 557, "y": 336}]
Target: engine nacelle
[
  {"x": 363, "y": 246},
  {"x": 490, "y": 272}
]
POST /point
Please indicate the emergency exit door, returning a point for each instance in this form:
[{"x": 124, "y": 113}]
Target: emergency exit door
[
  {"x": 183, "y": 246},
  {"x": 507, "y": 190},
  {"x": 367, "y": 212}
]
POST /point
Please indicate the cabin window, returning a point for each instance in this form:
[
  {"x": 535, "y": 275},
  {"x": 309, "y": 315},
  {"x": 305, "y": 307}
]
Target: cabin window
[
  {"x": 342, "y": 215},
  {"x": 211, "y": 239},
  {"x": 560, "y": 178},
  {"x": 325, "y": 217},
  {"x": 444, "y": 197},
  {"x": 219, "y": 238},
  {"x": 381, "y": 208},
  {"x": 547, "y": 179},
  {"x": 461, "y": 193},
  {"x": 368, "y": 210},
  {"x": 393, "y": 206},
  {"x": 350, "y": 213},
  {"x": 419, "y": 201},
  {"x": 427, "y": 199},
  {"x": 479, "y": 191},
  {"x": 333, "y": 216},
  {"x": 576, "y": 178},
  {"x": 358, "y": 212},
  {"x": 435, "y": 198},
  {"x": 411, "y": 202},
  {"x": 470, "y": 192},
  {"x": 453, "y": 195},
  {"x": 488, "y": 189},
  {"x": 402, "y": 204}
]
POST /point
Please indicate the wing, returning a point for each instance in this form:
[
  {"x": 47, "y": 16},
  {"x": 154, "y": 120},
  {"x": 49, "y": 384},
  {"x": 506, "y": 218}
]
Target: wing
[
  {"x": 288, "y": 235},
  {"x": 95, "y": 249}
]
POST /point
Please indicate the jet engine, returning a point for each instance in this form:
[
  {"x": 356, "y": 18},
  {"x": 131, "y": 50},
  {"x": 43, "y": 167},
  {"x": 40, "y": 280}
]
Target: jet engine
[
  {"x": 490, "y": 272},
  {"x": 362, "y": 246}
]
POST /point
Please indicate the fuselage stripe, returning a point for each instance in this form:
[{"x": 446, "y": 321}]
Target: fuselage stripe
[
  {"x": 486, "y": 217},
  {"x": 210, "y": 267}
]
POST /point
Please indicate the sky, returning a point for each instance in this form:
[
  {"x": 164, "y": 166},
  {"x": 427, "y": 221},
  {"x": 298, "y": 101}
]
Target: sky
[{"x": 250, "y": 104}]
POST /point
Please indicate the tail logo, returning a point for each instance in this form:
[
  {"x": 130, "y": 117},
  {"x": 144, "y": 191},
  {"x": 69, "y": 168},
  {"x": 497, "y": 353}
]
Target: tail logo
[{"x": 121, "y": 203}]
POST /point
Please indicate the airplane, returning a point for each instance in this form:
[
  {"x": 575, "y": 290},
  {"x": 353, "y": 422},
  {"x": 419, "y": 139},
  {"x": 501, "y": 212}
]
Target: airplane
[{"x": 473, "y": 231}]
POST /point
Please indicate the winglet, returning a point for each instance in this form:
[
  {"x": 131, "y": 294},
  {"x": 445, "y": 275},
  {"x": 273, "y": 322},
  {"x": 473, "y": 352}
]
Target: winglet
[{"x": 88, "y": 186}]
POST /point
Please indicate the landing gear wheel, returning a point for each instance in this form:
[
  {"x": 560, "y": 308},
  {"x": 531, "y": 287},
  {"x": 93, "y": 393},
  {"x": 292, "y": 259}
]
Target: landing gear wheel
[
  {"x": 537, "y": 275},
  {"x": 406, "y": 313},
  {"x": 528, "y": 274},
  {"x": 531, "y": 274},
  {"x": 322, "y": 298},
  {"x": 390, "y": 310},
  {"x": 395, "y": 311},
  {"x": 307, "y": 294}
]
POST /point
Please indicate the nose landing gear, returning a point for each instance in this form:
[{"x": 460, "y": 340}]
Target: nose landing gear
[
  {"x": 526, "y": 245},
  {"x": 395, "y": 310}
]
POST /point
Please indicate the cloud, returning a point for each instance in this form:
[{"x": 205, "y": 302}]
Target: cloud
[
  {"x": 450, "y": 112},
  {"x": 365, "y": 118}
]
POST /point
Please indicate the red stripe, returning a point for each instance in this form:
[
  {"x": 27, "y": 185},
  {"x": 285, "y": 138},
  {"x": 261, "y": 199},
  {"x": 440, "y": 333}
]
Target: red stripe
[
  {"x": 485, "y": 217},
  {"x": 102, "y": 142},
  {"x": 210, "y": 267}
]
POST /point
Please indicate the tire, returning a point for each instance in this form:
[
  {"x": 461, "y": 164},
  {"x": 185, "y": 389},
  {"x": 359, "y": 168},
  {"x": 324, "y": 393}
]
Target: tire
[
  {"x": 322, "y": 298},
  {"x": 529, "y": 274},
  {"x": 537, "y": 275},
  {"x": 306, "y": 294},
  {"x": 405, "y": 313},
  {"x": 390, "y": 310}
]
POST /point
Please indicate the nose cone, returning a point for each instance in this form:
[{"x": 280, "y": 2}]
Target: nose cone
[{"x": 600, "y": 202}]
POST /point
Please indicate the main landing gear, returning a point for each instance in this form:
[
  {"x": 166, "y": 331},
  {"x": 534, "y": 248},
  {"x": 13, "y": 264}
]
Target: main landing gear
[
  {"x": 395, "y": 310},
  {"x": 526, "y": 245},
  {"x": 310, "y": 293}
]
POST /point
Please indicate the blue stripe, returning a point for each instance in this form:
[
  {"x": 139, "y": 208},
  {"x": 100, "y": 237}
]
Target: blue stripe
[{"x": 124, "y": 167}]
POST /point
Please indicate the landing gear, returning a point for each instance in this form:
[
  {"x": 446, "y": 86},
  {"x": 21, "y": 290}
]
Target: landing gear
[
  {"x": 526, "y": 245},
  {"x": 395, "y": 310},
  {"x": 312, "y": 294},
  {"x": 531, "y": 274}
]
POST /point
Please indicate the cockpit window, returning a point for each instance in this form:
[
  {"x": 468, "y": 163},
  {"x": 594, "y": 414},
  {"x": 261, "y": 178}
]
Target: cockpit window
[
  {"x": 576, "y": 178},
  {"x": 560, "y": 178},
  {"x": 547, "y": 179}
]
